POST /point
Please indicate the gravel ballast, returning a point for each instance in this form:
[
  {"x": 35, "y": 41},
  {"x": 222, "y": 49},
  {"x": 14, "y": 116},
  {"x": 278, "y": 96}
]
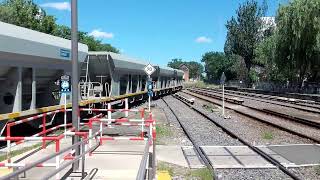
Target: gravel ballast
[
  {"x": 253, "y": 131},
  {"x": 205, "y": 133},
  {"x": 202, "y": 130},
  {"x": 297, "y": 127}
]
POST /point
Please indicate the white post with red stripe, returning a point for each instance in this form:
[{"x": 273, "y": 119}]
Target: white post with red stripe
[
  {"x": 65, "y": 114},
  {"x": 109, "y": 112}
]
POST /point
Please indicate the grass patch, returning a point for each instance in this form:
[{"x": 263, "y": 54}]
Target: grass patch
[
  {"x": 210, "y": 107},
  {"x": 267, "y": 135},
  {"x": 164, "y": 167},
  {"x": 203, "y": 174},
  {"x": 20, "y": 151},
  {"x": 185, "y": 173},
  {"x": 163, "y": 131},
  {"x": 29, "y": 148},
  {"x": 199, "y": 84}
]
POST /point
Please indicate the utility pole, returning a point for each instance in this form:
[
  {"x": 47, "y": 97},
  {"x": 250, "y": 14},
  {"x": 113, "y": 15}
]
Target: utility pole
[{"x": 75, "y": 77}]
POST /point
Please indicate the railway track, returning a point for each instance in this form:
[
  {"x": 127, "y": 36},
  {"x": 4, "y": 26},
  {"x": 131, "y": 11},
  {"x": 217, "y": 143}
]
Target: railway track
[
  {"x": 294, "y": 127},
  {"x": 267, "y": 99},
  {"x": 229, "y": 132},
  {"x": 290, "y": 97},
  {"x": 307, "y": 118}
]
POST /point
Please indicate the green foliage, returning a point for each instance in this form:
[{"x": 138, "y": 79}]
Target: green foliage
[
  {"x": 165, "y": 167},
  {"x": 163, "y": 131},
  {"x": 195, "y": 68},
  {"x": 265, "y": 57},
  {"x": 175, "y": 63},
  {"x": 26, "y": 13},
  {"x": 298, "y": 31},
  {"x": 253, "y": 75},
  {"x": 267, "y": 135},
  {"x": 243, "y": 32},
  {"x": 203, "y": 174},
  {"x": 216, "y": 63}
]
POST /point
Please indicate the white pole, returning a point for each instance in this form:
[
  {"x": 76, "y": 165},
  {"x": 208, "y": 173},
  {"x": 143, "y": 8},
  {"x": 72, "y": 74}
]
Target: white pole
[
  {"x": 223, "y": 100},
  {"x": 126, "y": 107},
  {"x": 149, "y": 104},
  {"x": 65, "y": 115},
  {"x": 109, "y": 112}
]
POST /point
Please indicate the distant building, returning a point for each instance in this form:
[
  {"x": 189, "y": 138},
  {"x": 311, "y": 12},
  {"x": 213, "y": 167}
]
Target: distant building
[
  {"x": 185, "y": 70},
  {"x": 268, "y": 26},
  {"x": 268, "y": 22}
]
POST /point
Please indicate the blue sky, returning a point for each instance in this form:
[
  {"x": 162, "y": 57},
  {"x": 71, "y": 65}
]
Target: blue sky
[{"x": 154, "y": 29}]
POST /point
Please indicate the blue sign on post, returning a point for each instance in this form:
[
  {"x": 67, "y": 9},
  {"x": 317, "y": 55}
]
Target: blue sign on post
[
  {"x": 65, "y": 84},
  {"x": 150, "y": 88}
]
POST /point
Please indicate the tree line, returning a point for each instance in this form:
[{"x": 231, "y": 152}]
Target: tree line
[
  {"x": 285, "y": 48},
  {"x": 195, "y": 68},
  {"x": 26, "y": 13}
]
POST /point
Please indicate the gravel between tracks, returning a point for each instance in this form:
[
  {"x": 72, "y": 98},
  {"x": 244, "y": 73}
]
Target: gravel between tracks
[
  {"x": 206, "y": 133},
  {"x": 303, "y": 129},
  {"x": 253, "y": 131},
  {"x": 202, "y": 130},
  {"x": 252, "y": 174},
  {"x": 177, "y": 135},
  {"x": 249, "y": 130}
]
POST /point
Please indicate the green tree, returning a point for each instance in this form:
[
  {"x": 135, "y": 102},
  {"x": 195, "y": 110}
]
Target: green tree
[
  {"x": 26, "y": 13},
  {"x": 298, "y": 34},
  {"x": 215, "y": 64},
  {"x": 195, "y": 68},
  {"x": 175, "y": 63},
  {"x": 244, "y": 32}
]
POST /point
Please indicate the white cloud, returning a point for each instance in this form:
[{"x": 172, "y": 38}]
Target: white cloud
[
  {"x": 58, "y": 5},
  {"x": 203, "y": 39},
  {"x": 97, "y": 33}
]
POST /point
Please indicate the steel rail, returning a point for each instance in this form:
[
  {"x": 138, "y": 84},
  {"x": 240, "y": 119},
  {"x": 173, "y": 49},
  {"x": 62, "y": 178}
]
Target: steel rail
[
  {"x": 199, "y": 151},
  {"x": 292, "y": 118},
  {"x": 266, "y": 100},
  {"x": 255, "y": 149},
  {"x": 263, "y": 121}
]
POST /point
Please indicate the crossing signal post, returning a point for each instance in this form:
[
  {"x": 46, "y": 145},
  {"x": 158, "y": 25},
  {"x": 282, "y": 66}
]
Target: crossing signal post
[
  {"x": 65, "y": 88},
  {"x": 149, "y": 69},
  {"x": 150, "y": 91}
]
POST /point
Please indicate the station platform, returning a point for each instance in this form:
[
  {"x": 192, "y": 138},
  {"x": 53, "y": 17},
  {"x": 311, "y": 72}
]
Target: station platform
[{"x": 116, "y": 159}]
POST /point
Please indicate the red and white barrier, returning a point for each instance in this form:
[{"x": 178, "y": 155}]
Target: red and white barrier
[{"x": 148, "y": 123}]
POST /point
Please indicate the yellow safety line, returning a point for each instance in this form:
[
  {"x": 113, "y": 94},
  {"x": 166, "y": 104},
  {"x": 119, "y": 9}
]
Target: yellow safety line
[
  {"x": 81, "y": 103},
  {"x": 4, "y": 171},
  {"x": 163, "y": 175}
]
